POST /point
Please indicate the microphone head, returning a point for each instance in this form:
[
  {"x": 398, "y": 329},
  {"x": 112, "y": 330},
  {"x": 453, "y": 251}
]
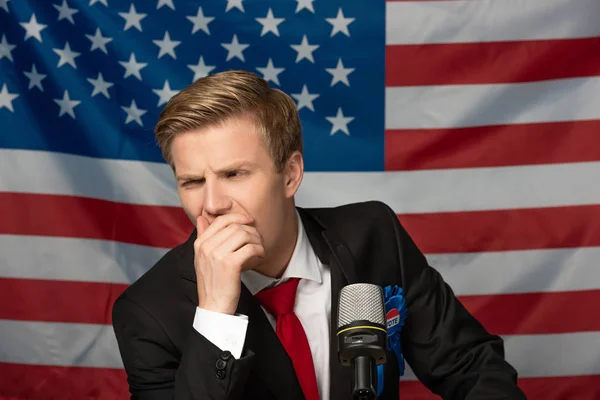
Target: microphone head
[{"x": 361, "y": 302}]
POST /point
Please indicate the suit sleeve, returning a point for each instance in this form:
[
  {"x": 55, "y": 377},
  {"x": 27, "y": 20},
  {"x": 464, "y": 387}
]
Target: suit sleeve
[
  {"x": 446, "y": 347},
  {"x": 156, "y": 370}
]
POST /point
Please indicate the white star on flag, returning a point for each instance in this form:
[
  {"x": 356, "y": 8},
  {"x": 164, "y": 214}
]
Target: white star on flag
[
  {"x": 4, "y": 5},
  {"x": 67, "y": 105},
  {"x": 168, "y": 3},
  {"x": 339, "y": 122},
  {"x": 339, "y": 73},
  {"x": 133, "y": 18},
  {"x": 270, "y": 23},
  {"x": 167, "y": 46},
  {"x": 234, "y": 3},
  {"x": 6, "y": 48},
  {"x": 33, "y": 28},
  {"x": 200, "y": 22},
  {"x": 134, "y": 113},
  {"x": 165, "y": 94},
  {"x": 235, "y": 49},
  {"x": 92, "y": 2},
  {"x": 200, "y": 70},
  {"x": 99, "y": 41},
  {"x": 308, "y": 4},
  {"x": 305, "y": 99},
  {"x": 270, "y": 73},
  {"x": 100, "y": 85},
  {"x": 35, "y": 78},
  {"x": 67, "y": 56},
  {"x": 65, "y": 12},
  {"x": 305, "y": 50},
  {"x": 340, "y": 24},
  {"x": 6, "y": 98},
  {"x": 132, "y": 67}
]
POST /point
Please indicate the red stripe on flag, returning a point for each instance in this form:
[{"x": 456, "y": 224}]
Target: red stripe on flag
[
  {"x": 491, "y": 62},
  {"x": 498, "y": 230},
  {"x": 37, "y": 382},
  {"x": 58, "y": 301},
  {"x": 492, "y": 146},
  {"x": 443, "y": 232},
  {"x": 516, "y": 314},
  {"x": 81, "y": 217},
  {"x": 537, "y": 313},
  {"x": 585, "y": 387}
]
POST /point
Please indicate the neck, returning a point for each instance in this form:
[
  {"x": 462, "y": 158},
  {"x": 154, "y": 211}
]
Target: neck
[{"x": 275, "y": 267}]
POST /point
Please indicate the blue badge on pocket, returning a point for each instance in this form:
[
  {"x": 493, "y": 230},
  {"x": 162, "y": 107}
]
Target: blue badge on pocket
[{"x": 395, "y": 315}]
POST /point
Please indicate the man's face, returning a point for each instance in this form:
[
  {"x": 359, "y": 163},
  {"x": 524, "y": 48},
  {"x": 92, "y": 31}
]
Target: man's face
[{"x": 226, "y": 168}]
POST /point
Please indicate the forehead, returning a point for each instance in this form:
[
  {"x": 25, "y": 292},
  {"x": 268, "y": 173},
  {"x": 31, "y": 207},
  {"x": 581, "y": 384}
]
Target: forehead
[{"x": 234, "y": 140}]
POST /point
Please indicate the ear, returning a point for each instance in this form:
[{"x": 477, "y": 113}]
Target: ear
[{"x": 293, "y": 173}]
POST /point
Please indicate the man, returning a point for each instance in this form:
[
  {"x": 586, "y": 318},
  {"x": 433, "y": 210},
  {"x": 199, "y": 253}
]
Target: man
[{"x": 199, "y": 325}]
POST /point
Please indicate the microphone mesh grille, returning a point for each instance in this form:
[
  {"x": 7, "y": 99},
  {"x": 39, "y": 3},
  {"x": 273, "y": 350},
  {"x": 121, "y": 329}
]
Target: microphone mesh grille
[{"x": 361, "y": 301}]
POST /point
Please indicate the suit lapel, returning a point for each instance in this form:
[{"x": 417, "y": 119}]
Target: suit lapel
[{"x": 272, "y": 365}]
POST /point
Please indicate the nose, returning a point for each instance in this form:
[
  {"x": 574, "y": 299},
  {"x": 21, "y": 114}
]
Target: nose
[{"x": 216, "y": 201}]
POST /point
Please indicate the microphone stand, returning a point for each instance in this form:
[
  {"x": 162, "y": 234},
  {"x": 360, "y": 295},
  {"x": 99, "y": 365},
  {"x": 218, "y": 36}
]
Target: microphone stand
[{"x": 364, "y": 370}]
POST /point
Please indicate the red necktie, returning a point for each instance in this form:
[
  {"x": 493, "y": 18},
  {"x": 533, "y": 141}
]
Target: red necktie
[{"x": 279, "y": 301}]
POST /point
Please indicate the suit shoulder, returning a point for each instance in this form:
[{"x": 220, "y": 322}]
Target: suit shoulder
[
  {"x": 356, "y": 215},
  {"x": 159, "y": 277}
]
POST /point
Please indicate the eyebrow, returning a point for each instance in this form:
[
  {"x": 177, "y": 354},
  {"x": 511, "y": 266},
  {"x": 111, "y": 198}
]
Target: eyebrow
[{"x": 231, "y": 167}]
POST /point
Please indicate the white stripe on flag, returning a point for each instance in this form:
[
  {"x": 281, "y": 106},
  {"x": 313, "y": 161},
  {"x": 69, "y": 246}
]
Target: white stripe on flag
[
  {"x": 61, "y": 344},
  {"x": 74, "y": 259},
  {"x": 68, "y": 259},
  {"x": 66, "y": 174},
  {"x": 405, "y": 192},
  {"x": 458, "y": 189},
  {"x": 423, "y": 22},
  {"x": 416, "y": 107},
  {"x": 523, "y": 271},
  {"x": 89, "y": 345}
]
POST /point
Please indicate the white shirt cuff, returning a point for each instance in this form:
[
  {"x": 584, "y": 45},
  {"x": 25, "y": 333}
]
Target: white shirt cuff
[{"x": 227, "y": 332}]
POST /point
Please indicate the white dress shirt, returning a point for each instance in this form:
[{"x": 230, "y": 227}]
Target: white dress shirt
[{"x": 312, "y": 306}]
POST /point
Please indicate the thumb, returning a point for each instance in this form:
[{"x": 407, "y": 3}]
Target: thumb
[{"x": 201, "y": 224}]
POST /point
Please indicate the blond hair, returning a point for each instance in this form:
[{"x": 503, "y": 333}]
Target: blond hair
[{"x": 218, "y": 97}]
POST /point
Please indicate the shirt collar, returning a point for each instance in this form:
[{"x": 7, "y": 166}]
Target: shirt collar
[{"x": 303, "y": 264}]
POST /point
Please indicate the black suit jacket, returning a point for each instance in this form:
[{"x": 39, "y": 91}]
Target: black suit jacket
[{"x": 448, "y": 350}]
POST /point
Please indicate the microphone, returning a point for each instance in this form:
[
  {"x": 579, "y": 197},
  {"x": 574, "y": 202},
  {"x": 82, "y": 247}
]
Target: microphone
[{"x": 362, "y": 335}]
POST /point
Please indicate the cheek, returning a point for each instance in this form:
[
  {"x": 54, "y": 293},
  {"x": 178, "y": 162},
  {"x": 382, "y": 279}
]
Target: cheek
[
  {"x": 268, "y": 208},
  {"x": 191, "y": 201}
]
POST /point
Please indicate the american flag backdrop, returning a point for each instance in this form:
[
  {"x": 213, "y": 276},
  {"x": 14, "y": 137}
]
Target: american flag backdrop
[{"x": 477, "y": 121}]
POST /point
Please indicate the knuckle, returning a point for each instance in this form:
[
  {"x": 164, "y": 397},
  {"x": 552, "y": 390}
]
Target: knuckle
[
  {"x": 219, "y": 256},
  {"x": 203, "y": 248},
  {"x": 246, "y": 236}
]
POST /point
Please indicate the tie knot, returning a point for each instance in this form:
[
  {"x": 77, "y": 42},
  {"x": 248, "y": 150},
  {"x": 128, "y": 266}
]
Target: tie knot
[{"x": 279, "y": 300}]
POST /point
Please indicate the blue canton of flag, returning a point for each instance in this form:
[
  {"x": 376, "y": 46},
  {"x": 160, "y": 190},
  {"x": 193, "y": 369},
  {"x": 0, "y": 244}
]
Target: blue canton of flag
[{"x": 90, "y": 77}]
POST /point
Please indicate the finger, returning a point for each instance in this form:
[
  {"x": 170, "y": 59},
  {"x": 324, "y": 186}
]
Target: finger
[
  {"x": 223, "y": 221},
  {"x": 201, "y": 224},
  {"x": 236, "y": 240},
  {"x": 246, "y": 252},
  {"x": 210, "y": 244}
]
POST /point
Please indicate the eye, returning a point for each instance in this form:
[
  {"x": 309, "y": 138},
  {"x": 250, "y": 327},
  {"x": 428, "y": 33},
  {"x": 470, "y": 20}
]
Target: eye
[
  {"x": 234, "y": 174},
  {"x": 192, "y": 182}
]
